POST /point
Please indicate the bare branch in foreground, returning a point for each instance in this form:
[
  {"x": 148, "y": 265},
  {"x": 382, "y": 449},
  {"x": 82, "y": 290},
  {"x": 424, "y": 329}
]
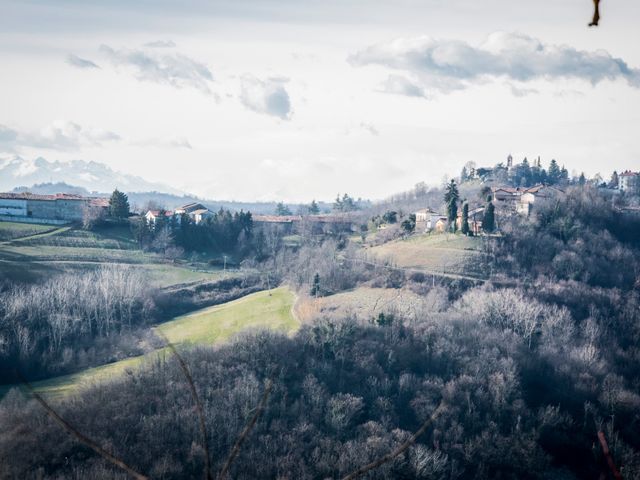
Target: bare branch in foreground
[
  {"x": 391, "y": 455},
  {"x": 245, "y": 433},
  {"x": 196, "y": 399},
  {"x": 82, "y": 438}
]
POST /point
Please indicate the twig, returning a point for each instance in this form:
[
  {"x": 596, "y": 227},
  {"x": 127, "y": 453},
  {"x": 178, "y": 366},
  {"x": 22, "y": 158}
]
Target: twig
[
  {"x": 607, "y": 454},
  {"x": 82, "y": 438},
  {"x": 391, "y": 455},
  {"x": 243, "y": 435},
  {"x": 596, "y": 14},
  {"x": 196, "y": 400}
]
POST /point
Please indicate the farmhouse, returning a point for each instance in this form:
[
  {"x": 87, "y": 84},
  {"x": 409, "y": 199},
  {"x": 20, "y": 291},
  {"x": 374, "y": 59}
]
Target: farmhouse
[
  {"x": 152, "y": 216},
  {"x": 196, "y": 212},
  {"x": 276, "y": 223},
  {"x": 474, "y": 220},
  {"x": 440, "y": 225},
  {"x": 304, "y": 225},
  {"x": 55, "y": 209},
  {"x": 629, "y": 182},
  {"x": 522, "y": 199}
]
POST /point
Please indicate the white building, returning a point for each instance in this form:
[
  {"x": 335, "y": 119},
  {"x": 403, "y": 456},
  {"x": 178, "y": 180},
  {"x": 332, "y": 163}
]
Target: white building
[{"x": 629, "y": 182}]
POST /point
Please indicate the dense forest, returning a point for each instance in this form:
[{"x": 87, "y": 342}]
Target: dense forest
[{"x": 520, "y": 377}]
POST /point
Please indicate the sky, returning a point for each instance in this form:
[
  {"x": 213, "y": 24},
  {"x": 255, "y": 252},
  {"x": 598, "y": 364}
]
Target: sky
[{"x": 300, "y": 99}]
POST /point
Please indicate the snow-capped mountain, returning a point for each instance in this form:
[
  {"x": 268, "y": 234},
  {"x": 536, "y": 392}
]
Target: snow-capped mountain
[{"x": 95, "y": 177}]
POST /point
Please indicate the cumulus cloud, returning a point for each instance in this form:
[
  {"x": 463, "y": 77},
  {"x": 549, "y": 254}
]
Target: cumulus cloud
[
  {"x": 60, "y": 135},
  {"x": 161, "y": 44},
  {"x": 266, "y": 96},
  {"x": 447, "y": 65},
  {"x": 76, "y": 61},
  {"x": 175, "y": 69}
]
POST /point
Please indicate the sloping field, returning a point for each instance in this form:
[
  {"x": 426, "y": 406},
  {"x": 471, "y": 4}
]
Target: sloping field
[
  {"x": 218, "y": 323},
  {"x": 11, "y": 231},
  {"x": 434, "y": 253},
  {"x": 364, "y": 304},
  {"x": 36, "y": 251},
  {"x": 209, "y": 326}
]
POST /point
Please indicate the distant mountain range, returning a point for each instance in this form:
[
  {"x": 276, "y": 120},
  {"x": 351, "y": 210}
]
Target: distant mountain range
[
  {"x": 96, "y": 179},
  {"x": 92, "y": 176}
]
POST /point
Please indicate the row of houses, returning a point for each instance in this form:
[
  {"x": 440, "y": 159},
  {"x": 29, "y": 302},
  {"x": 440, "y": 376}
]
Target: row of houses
[
  {"x": 284, "y": 224},
  {"x": 195, "y": 211},
  {"x": 55, "y": 209},
  {"x": 517, "y": 199}
]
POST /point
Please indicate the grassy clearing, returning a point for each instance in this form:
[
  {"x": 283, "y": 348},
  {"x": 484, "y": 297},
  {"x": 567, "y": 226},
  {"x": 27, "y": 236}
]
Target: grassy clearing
[
  {"x": 441, "y": 253},
  {"x": 364, "y": 304},
  {"x": 217, "y": 324},
  {"x": 11, "y": 231},
  {"x": 209, "y": 326}
]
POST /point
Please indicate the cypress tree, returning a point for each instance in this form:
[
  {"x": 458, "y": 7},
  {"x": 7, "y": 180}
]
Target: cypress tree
[
  {"x": 451, "y": 200},
  {"x": 489, "y": 220},
  {"x": 315, "y": 288},
  {"x": 465, "y": 219}
]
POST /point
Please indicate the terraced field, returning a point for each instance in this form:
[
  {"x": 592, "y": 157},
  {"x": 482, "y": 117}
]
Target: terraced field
[
  {"x": 31, "y": 252},
  {"x": 11, "y": 231},
  {"x": 209, "y": 326}
]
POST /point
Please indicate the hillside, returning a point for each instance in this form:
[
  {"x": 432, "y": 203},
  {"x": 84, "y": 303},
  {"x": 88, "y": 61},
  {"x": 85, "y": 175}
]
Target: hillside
[
  {"x": 31, "y": 252},
  {"x": 442, "y": 254},
  {"x": 209, "y": 326}
]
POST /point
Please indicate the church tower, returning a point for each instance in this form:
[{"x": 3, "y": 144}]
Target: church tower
[{"x": 509, "y": 162}]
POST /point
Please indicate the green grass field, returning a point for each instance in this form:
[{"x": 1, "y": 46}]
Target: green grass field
[
  {"x": 209, "y": 326},
  {"x": 218, "y": 323},
  {"x": 433, "y": 253}
]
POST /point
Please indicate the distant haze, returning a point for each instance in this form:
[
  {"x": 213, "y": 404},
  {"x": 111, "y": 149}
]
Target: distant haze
[{"x": 288, "y": 100}]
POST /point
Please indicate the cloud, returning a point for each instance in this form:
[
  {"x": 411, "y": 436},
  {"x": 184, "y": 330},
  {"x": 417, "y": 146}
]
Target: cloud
[
  {"x": 175, "y": 69},
  {"x": 60, "y": 135},
  {"x": 399, "y": 85},
  {"x": 175, "y": 142},
  {"x": 517, "y": 91},
  {"x": 161, "y": 44},
  {"x": 76, "y": 61},
  {"x": 266, "y": 96},
  {"x": 68, "y": 135},
  {"x": 448, "y": 65},
  {"x": 369, "y": 127},
  {"x": 7, "y": 135}
]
